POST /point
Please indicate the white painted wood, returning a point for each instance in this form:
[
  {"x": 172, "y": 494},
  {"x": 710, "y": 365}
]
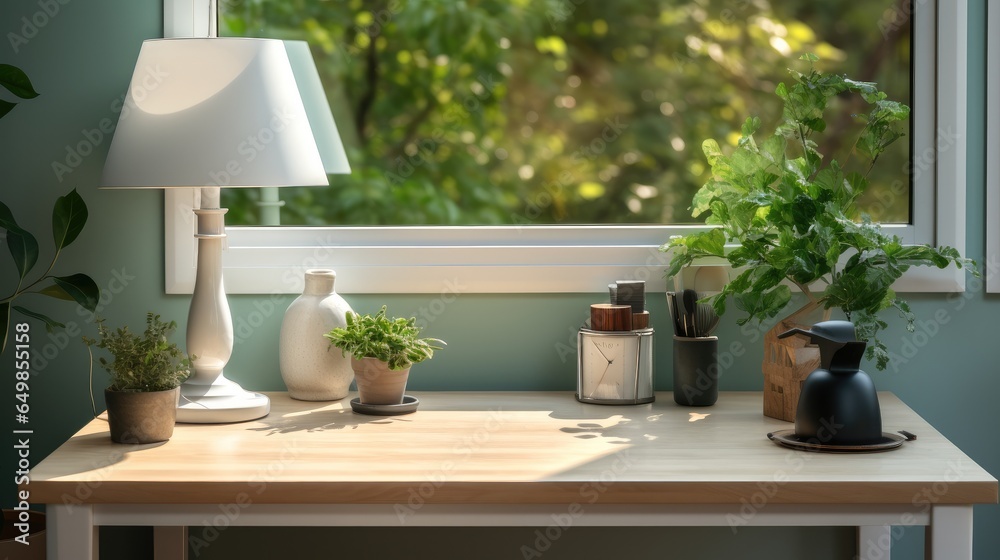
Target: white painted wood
[
  {"x": 71, "y": 532},
  {"x": 180, "y": 226},
  {"x": 924, "y": 92},
  {"x": 951, "y": 131},
  {"x": 170, "y": 543},
  {"x": 990, "y": 270},
  {"x": 949, "y": 536},
  {"x": 874, "y": 542},
  {"x": 479, "y": 515},
  {"x": 421, "y": 246},
  {"x": 178, "y": 18},
  {"x": 180, "y": 247}
]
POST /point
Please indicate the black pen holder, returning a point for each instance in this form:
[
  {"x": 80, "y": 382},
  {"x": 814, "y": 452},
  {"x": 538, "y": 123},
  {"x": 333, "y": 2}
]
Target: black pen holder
[{"x": 696, "y": 370}]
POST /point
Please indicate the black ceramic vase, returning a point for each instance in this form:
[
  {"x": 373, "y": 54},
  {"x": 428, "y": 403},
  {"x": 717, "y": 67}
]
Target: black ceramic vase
[{"x": 838, "y": 404}]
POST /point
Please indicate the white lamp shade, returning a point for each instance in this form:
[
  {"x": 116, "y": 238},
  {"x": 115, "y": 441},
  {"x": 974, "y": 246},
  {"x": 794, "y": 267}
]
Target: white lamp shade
[
  {"x": 324, "y": 128},
  {"x": 213, "y": 112}
]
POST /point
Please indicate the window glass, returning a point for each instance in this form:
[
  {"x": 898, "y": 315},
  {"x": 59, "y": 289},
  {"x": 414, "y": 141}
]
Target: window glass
[{"x": 486, "y": 112}]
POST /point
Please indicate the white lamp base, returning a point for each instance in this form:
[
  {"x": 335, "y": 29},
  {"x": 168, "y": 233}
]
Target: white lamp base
[{"x": 222, "y": 402}]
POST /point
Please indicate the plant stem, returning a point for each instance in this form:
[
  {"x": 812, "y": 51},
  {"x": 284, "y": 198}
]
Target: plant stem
[
  {"x": 90, "y": 382},
  {"x": 18, "y": 291}
]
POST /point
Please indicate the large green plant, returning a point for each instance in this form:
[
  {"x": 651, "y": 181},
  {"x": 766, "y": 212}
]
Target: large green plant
[
  {"x": 392, "y": 340},
  {"x": 141, "y": 363},
  {"x": 68, "y": 218},
  {"x": 791, "y": 215}
]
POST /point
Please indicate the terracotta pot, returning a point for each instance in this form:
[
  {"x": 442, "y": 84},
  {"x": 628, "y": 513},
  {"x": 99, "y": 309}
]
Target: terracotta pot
[
  {"x": 142, "y": 417},
  {"x": 15, "y": 522},
  {"x": 377, "y": 384}
]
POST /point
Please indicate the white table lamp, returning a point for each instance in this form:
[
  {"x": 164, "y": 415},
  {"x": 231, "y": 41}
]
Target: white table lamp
[{"x": 209, "y": 113}]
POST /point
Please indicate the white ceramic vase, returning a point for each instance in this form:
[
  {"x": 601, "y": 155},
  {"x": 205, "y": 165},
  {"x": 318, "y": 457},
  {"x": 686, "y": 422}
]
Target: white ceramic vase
[{"x": 311, "y": 368}]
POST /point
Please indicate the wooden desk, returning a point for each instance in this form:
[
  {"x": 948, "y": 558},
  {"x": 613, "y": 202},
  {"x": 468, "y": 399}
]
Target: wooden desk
[{"x": 508, "y": 459}]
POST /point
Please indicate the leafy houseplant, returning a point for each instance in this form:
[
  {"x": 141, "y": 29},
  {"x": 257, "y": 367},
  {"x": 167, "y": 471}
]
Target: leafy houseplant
[
  {"x": 791, "y": 215},
  {"x": 382, "y": 351},
  {"x": 146, "y": 373},
  {"x": 68, "y": 218}
]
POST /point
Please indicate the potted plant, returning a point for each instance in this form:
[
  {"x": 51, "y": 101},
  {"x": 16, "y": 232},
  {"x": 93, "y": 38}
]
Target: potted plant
[
  {"x": 146, "y": 373},
  {"x": 784, "y": 215},
  {"x": 382, "y": 351}
]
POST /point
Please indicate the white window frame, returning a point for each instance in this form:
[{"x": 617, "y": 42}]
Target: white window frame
[
  {"x": 548, "y": 259},
  {"x": 992, "y": 148}
]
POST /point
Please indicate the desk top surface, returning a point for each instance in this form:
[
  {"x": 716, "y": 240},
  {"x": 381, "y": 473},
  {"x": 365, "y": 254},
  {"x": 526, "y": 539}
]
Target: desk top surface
[{"x": 507, "y": 447}]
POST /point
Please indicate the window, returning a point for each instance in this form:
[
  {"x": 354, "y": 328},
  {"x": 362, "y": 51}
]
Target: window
[{"x": 563, "y": 256}]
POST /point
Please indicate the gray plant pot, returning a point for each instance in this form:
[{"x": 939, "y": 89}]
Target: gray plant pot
[
  {"x": 377, "y": 384},
  {"x": 142, "y": 417}
]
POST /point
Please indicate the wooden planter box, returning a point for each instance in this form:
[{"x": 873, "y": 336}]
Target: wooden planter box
[{"x": 787, "y": 363}]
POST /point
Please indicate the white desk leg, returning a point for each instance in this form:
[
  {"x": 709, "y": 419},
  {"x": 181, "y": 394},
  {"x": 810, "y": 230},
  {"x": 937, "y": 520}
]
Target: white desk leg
[
  {"x": 170, "y": 543},
  {"x": 70, "y": 532},
  {"x": 949, "y": 536},
  {"x": 874, "y": 542}
]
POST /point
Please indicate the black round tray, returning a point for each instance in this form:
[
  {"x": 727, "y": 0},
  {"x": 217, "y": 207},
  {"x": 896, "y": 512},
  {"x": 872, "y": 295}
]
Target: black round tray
[
  {"x": 408, "y": 405},
  {"x": 787, "y": 438}
]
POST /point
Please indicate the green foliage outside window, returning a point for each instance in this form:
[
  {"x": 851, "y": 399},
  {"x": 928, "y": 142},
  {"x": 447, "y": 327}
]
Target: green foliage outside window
[{"x": 559, "y": 111}]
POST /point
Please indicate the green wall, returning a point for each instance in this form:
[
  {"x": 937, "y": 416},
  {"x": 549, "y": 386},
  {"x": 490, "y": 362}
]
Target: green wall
[{"x": 80, "y": 61}]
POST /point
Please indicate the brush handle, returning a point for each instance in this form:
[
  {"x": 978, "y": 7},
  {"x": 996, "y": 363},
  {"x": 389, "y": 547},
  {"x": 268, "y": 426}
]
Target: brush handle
[{"x": 690, "y": 298}]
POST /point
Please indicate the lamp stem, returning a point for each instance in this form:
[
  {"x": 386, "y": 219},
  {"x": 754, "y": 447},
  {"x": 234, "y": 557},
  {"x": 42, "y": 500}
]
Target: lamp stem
[
  {"x": 207, "y": 396},
  {"x": 210, "y": 323}
]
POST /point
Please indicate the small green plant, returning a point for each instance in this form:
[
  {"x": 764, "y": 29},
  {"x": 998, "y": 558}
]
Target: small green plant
[
  {"x": 392, "y": 340},
  {"x": 790, "y": 216},
  {"x": 141, "y": 363}
]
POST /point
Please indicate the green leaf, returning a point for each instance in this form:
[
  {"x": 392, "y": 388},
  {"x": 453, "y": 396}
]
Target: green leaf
[
  {"x": 5, "y": 107},
  {"x": 816, "y": 124},
  {"x": 781, "y": 91},
  {"x": 81, "y": 288},
  {"x": 50, "y": 324},
  {"x": 54, "y": 291},
  {"x": 892, "y": 110},
  {"x": 711, "y": 242},
  {"x": 712, "y": 151},
  {"x": 702, "y": 201},
  {"x": 16, "y": 81},
  {"x": 810, "y": 57},
  {"x": 23, "y": 246},
  {"x": 7, "y": 220},
  {"x": 767, "y": 304},
  {"x": 774, "y": 149},
  {"x": 68, "y": 218},
  {"x": 24, "y": 249},
  {"x": 750, "y": 126},
  {"x": 4, "y": 325},
  {"x": 765, "y": 278},
  {"x": 804, "y": 210}
]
